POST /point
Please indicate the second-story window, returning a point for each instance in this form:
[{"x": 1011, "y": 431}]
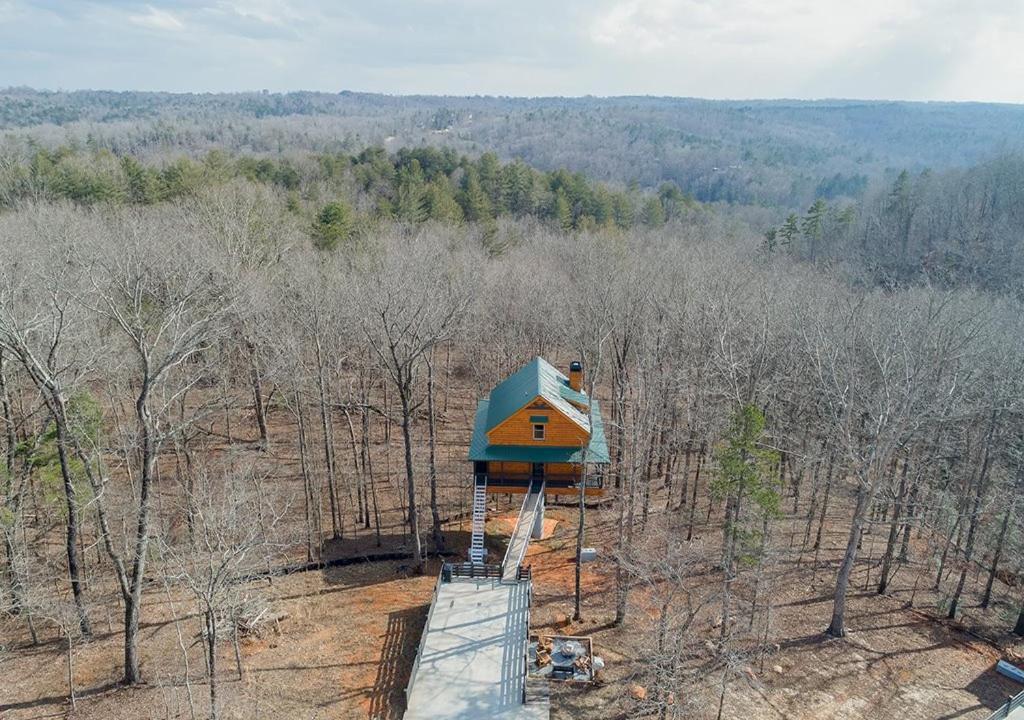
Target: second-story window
[{"x": 538, "y": 432}]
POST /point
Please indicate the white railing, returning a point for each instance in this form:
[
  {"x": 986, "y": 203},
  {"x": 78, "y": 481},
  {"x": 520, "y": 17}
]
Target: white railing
[
  {"x": 526, "y": 640},
  {"x": 511, "y": 540}
]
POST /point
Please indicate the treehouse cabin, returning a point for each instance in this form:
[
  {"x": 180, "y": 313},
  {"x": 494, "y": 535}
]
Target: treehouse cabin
[{"x": 539, "y": 426}]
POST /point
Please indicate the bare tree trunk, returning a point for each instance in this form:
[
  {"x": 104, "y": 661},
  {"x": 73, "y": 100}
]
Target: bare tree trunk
[
  {"x": 813, "y": 510},
  {"x": 908, "y": 520},
  {"x": 227, "y": 409},
  {"x": 837, "y": 627},
  {"x": 696, "y": 483},
  {"x": 626, "y": 541},
  {"x": 435, "y": 515},
  {"x": 730, "y": 529},
  {"x": 367, "y": 461},
  {"x": 133, "y": 600},
  {"x": 821, "y": 519},
  {"x": 997, "y": 554},
  {"x": 211, "y": 658},
  {"x": 972, "y": 527},
  {"x": 687, "y": 457},
  {"x": 256, "y": 381},
  {"x": 414, "y": 523},
  {"x": 238, "y": 650},
  {"x": 307, "y": 490},
  {"x": 796, "y": 476},
  {"x": 945, "y": 550},
  {"x": 7, "y": 415},
  {"x": 8, "y": 495},
  {"x": 73, "y": 526},
  {"x": 447, "y": 374},
  {"x": 894, "y": 529},
  {"x": 11, "y": 571},
  {"x": 328, "y": 436},
  {"x": 759, "y": 575},
  {"x": 362, "y": 514}
]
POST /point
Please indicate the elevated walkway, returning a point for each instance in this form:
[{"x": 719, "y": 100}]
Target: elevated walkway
[
  {"x": 474, "y": 652},
  {"x": 472, "y": 659},
  {"x": 530, "y": 524}
]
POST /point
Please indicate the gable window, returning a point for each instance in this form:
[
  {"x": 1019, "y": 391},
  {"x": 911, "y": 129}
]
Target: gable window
[{"x": 538, "y": 432}]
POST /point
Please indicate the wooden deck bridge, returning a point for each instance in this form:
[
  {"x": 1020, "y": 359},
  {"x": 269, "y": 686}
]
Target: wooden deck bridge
[{"x": 473, "y": 655}]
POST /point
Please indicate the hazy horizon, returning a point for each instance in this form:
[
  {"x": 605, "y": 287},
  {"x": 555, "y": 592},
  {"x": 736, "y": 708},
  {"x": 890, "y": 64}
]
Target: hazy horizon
[
  {"x": 484, "y": 96},
  {"x": 915, "y": 50}
]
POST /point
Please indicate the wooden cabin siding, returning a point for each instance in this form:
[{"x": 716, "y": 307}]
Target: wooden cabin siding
[
  {"x": 509, "y": 468},
  {"x": 517, "y": 429},
  {"x": 498, "y": 489},
  {"x": 524, "y": 469}
]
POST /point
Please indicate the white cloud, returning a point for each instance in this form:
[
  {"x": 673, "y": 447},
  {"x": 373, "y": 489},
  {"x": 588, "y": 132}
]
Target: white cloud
[
  {"x": 270, "y": 12},
  {"x": 157, "y": 20},
  {"x": 892, "y": 49},
  {"x": 809, "y": 29},
  {"x": 883, "y": 49}
]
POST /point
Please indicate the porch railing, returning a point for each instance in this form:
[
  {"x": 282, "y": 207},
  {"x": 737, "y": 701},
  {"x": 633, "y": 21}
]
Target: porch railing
[{"x": 482, "y": 571}]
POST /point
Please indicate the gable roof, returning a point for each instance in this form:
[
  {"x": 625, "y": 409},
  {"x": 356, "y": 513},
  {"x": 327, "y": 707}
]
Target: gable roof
[
  {"x": 538, "y": 378},
  {"x": 479, "y": 449}
]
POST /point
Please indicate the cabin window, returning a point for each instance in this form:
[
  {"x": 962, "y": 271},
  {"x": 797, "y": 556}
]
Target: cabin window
[{"x": 538, "y": 432}]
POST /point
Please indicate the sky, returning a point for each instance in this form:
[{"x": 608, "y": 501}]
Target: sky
[{"x": 870, "y": 49}]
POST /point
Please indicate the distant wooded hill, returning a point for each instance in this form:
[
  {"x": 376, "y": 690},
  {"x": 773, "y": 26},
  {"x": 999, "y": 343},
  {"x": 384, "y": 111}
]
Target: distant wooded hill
[{"x": 774, "y": 153}]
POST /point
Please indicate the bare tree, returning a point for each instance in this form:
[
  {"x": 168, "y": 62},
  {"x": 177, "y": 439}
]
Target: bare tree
[
  {"x": 880, "y": 376},
  {"x": 416, "y": 293},
  {"x": 229, "y": 554},
  {"x": 41, "y": 326},
  {"x": 168, "y": 302}
]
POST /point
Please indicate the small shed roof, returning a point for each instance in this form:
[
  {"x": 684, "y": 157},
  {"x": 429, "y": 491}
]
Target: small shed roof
[
  {"x": 538, "y": 378},
  {"x": 479, "y": 449}
]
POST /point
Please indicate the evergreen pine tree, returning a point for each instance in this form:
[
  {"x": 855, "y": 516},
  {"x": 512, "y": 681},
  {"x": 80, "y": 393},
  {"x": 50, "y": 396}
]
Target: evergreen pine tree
[
  {"x": 560, "y": 210},
  {"x": 333, "y": 225},
  {"x": 475, "y": 204},
  {"x": 653, "y": 213}
]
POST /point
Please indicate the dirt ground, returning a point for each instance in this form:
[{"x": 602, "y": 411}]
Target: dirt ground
[
  {"x": 345, "y": 637},
  {"x": 896, "y": 661}
]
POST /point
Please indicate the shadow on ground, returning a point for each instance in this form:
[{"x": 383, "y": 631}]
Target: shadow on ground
[{"x": 401, "y": 639}]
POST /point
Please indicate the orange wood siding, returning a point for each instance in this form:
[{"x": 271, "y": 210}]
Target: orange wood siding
[
  {"x": 513, "y": 469},
  {"x": 559, "y": 431},
  {"x": 514, "y": 490},
  {"x": 509, "y": 468}
]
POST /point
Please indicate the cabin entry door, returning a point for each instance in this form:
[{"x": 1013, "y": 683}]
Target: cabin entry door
[{"x": 538, "y": 471}]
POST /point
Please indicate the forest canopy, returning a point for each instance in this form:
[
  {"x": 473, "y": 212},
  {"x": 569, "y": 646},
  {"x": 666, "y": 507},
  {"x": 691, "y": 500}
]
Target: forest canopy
[{"x": 240, "y": 331}]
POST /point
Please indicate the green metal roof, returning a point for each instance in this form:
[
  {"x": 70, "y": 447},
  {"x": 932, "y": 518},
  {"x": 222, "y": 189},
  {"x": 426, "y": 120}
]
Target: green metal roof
[
  {"x": 597, "y": 451},
  {"x": 571, "y": 395},
  {"x": 538, "y": 378}
]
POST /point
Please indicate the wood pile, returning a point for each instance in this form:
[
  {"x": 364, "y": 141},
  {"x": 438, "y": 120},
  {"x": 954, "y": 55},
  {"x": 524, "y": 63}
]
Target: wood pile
[{"x": 544, "y": 647}]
